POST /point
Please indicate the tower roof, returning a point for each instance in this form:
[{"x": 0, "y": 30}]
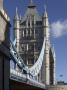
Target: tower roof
[
  {"x": 16, "y": 15},
  {"x": 31, "y": 4},
  {"x": 31, "y": 10}
]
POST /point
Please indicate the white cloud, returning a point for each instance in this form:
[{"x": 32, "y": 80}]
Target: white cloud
[{"x": 59, "y": 28}]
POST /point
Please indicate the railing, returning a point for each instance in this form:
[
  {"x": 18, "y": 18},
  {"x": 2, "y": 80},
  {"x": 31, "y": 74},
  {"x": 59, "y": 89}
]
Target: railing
[{"x": 17, "y": 73}]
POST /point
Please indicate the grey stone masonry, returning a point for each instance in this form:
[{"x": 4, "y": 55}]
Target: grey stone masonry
[{"x": 4, "y": 50}]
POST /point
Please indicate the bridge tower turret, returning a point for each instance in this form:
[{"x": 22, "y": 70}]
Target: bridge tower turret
[
  {"x": 16, "y": 29},
  {"x": 47, "y": 48}
]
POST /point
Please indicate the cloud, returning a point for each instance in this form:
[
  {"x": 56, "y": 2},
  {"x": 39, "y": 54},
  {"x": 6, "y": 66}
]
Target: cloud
[{"x": 59, "y": 28}]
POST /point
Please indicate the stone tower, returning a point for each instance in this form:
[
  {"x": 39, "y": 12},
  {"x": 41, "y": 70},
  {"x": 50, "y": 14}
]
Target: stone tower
[
  {"x": 48, "y": 68},
  {"x": 29, "y": 33},
  {"x": 46, "y": 62},
  {"x": 47, "y": 47}
]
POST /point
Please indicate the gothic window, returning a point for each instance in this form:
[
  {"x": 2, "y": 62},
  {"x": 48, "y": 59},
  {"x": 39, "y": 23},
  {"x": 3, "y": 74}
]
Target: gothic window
[
  {"x": 27, "y": 47},
  {"x": 24, "y": 23},
  {"x": 36, "y": 46},
  {"x": 29, "y": 31},
  {"x": 32, "y": 20},
  {"x": 38, "y": 23},
  {"x": 22, "y": 47},
  {"x": 31, "y": 61},
  {"x": 26, "y": 32},
  {"x": 28, "y": 20},
  {"x": 23, "y": 33},
  {"x": 36, "y": 31},
  {"x": 29, "y": 23},
  {"x": 32, "y": 33},
  {"x": 32, "y": 23},
  {"x": 31, "y": 47}
]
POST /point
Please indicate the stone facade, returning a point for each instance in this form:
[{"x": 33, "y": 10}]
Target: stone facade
[{"x": 30, "y": 31}]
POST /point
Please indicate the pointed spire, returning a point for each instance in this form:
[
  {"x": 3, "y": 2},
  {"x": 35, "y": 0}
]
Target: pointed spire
[
  {"x": 45, "y": 12},
  {"x": 16, "y": 11},
  {"x": 45, "y": 7},
  {"x": 31, "y": 4},
  {"x": 16, "y": 15},
  {"x": 46, "y": 23},
  {"x": 31, "y": 1}
]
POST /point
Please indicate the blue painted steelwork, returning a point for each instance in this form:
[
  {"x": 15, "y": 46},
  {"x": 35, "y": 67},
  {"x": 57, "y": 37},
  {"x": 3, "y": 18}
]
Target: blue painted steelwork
[
  {"x": 35, "y": 69},
  {"x": 26, "y": 74}
]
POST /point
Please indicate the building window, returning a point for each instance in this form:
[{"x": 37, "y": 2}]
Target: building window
[
  {"x": 23, "y": 33},
  {"x": 22, "y": 47},
  {"x": 29, "y": 23},
  {"x": 27, "y": 47},
  {"x": 28, "y": 31},
  {"x": 30, "y": 62}
]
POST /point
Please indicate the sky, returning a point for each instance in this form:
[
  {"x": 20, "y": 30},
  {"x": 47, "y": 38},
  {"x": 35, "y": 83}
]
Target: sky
[{"x": 57, "y": 14}]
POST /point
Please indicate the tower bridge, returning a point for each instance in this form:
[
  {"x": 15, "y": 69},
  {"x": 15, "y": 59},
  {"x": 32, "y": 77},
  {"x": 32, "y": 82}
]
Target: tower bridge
[{"x": 29, "y": 61}]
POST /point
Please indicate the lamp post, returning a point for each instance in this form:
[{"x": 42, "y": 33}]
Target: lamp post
[{"x": 61, "y": 76}]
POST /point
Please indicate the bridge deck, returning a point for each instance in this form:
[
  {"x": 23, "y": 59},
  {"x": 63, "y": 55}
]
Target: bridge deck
[
  {"x": 22, "y": 82},
  {"x": 14, "y": 85}
]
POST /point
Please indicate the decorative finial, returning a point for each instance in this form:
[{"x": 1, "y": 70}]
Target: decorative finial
[
  {"x": 31, "y": 4},
  {"x": 45, "y": 8},
  {"x": 31, "y": 1},
  {"x": 16, "y": 10},
  {"x": 16, "y": 16}
]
